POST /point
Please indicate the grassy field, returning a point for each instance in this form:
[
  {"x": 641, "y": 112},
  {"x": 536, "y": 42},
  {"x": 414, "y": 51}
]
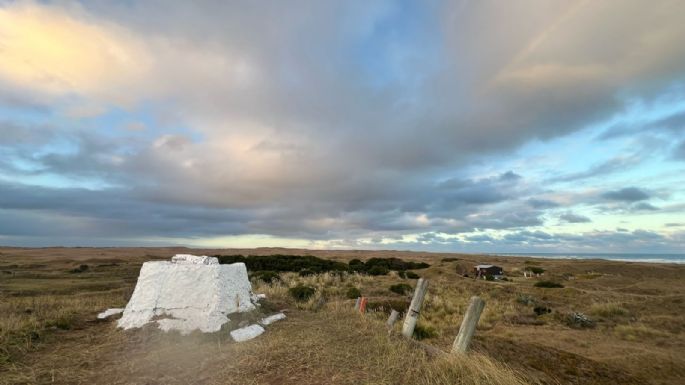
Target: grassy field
[{"x": 49, "y": 334}]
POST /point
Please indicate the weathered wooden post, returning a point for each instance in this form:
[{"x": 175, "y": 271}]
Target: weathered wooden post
[
  {"x": 414, "y": 308},
  {"x": 468, "y": 325},
  {"x": 394, "y": 314},
  {"x": 356, "y": 305}
]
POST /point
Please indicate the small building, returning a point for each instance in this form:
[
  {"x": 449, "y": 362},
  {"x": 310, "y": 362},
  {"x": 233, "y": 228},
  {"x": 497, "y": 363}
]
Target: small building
[{"x": 485, "y": 270}]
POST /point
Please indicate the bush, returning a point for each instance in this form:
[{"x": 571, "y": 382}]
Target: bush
[
  {"x": 540, "y": 310},
  {"x": 400, "y": 288},
  {"x": 450, "y": 259},
  {"x": 412, "y": 275},
  {"x": 535, "y": 269},
  {"x": 378, "y": 270},
  {"x": 80, "y": 269},
  {"x": 305, "y": 273},
  {"x": 548, "y": 284},
  {"x": 301, "y": 292},
  {"x": 402, "y": 274},
  {"x": 353, "y": 293},
  {"x": 267, "y": 276},
  {"x": 423, "y": 332},
  {"x": 278, "y": 262},
  {"x": 489, "y": 277},
  {"x": 375, "y": 265}
]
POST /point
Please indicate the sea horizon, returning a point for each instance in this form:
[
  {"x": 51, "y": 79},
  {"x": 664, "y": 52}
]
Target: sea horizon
[{"x": 678, "y": 258}]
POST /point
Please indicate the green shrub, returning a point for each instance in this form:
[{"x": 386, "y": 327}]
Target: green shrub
[
  {"x": 548, "y": 284},
  {"x": 535, "y": 269},
  {"x": 423, "y": 332},
  {"x": 353, "y": 293},
  {"x": 305, "y": 273},
  {"x": 301, "y": 292},
  {"x": 278, "y": 262},
  {"x": 412, "y": 275},
  {"x": 378, "y": 270},
  {"x": 489, "y": 277},
  {"x": 450, "y": 259},
  {"x": 402, "y": 274},
  {"x": 400, "y": 288},
  {"x": 375, "y": 266},
  {"x": 267, "y": 276}
]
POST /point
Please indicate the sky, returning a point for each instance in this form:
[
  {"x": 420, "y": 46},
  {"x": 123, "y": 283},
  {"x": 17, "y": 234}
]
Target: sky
[{"x": 472, "y": 126}]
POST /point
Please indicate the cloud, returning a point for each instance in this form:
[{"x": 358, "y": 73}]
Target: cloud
[
  {"x": 574, "y": 218},
  {"x": 341, "y": 123},
  {"x": 626, "y": 194},
  {"x": 644, "y": 206},
  {"x": 542, "y": 203},
  {"x": 613, "y": 165},
  {"x": 52, "y": 51}
]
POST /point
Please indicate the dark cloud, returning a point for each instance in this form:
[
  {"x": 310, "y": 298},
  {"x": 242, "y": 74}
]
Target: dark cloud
[
  {"x": 644, "y": 206},
  {"x": 626, "y": 194},
  {"x": 542, "y": 203},
  {"x": 574, "y": 218}
]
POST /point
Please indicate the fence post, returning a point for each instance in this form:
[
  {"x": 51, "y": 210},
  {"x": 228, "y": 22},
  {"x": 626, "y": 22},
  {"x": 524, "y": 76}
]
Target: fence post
[
  {"x": 362, "y": 305},
  {"x": 394, "y": 314},
  {"x": 414, "y": 308},
  {"x": 468, "y": 325}
]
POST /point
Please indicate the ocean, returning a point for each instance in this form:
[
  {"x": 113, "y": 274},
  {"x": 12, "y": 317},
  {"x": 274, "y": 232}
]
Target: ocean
[{"x": 654, "y": 258}]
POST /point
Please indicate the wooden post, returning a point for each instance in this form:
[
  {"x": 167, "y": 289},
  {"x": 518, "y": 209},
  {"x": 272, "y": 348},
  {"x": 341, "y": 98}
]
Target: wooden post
[
  {"x": 468, "y": 325},
  {"x": 362, "y": 305},
  {"x": 394, "y": 314},
  {"x": 414, "y": 308},
  {"x": 356, "y": 305}
]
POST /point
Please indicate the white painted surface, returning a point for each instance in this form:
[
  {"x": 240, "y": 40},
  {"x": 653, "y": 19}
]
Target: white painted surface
[
  {"x": 187, "y": 296},
  {"x": 247, "y": 333},
  {"x": 272, "y": 318},
  {"x": 189, "y": 259},
  {"x": 110, "y": 312}
]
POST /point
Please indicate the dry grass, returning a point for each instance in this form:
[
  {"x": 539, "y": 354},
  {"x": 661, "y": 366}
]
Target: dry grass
[
  {"x": 608, "y": 310},
  {"x": 335, "y": 346},
  {"x": 638, "y": 309}
]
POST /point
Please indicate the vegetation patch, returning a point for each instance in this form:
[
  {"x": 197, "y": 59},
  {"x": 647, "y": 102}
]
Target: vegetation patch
[
  {"x": 301, "y": 293},
  {"x": 525, "y": 299},
  {"x": 548, "y": 284},
  {"x": 451, "y": 259},
  {"x": 412, "y": 275},
  {"x": 422, "y": 332},
  {"x": 267, "y": 276},
  {"x": 277, "y": 262},
  {"x": 608, "y": 310},
  {"x": 401, "y": 288},
  {"x": 353, "y": 293},
  {"x": 535, "y": 269},
  {"x": 381, "y": 266},
  {"x": 541, "y": 310}
]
